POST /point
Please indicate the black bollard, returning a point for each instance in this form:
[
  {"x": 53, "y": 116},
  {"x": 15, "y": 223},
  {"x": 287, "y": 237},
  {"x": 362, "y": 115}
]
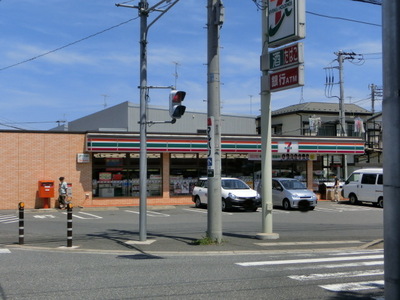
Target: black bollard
[
  {"x": 69, "y": 225},
  {"x": 21, "y": 207}
]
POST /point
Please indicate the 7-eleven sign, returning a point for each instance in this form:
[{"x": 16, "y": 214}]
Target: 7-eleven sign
[
  {"x": 286, "y": 21},
  {"x": 288, "y": 147}
]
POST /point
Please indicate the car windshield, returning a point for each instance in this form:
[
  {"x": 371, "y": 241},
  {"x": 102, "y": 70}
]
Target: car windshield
[
  {"x": 293, "y": 185},
  {"x": 233, "y": 184}
]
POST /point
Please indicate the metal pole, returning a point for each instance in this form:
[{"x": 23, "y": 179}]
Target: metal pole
[
  {"x": 391, "y": 140},
  {"x": 266, "y": 155},
  {"x": 143, "y": 12},
  {"x": 214, "y": 216}
]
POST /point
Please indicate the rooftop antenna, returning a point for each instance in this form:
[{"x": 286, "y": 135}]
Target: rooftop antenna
[
  {"x": 105, "y": 100},
  {"x": 176, "y": 72},
  {"x": 302, "y": 95}
]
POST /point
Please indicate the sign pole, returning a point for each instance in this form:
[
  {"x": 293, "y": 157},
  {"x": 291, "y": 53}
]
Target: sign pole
[{"x": 266, "y": 149}]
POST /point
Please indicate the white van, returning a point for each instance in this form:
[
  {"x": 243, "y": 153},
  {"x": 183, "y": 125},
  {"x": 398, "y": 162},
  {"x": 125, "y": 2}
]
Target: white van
[{"x": 365, "y": 185}]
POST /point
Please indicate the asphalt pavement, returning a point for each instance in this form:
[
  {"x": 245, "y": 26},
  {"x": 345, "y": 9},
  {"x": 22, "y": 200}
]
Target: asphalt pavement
[{"x": 184, "y": 242}]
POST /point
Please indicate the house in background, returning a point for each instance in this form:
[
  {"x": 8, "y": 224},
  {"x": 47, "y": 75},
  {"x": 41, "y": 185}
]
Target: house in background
[{"x": 321, "y": 120}]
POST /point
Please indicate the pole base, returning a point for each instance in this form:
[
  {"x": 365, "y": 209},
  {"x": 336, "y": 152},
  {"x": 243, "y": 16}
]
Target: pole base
[{"x": 267, "y": 236}]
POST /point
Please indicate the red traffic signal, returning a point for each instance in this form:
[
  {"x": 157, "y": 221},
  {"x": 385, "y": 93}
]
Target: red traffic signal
[{"x": 176, "y": 110}]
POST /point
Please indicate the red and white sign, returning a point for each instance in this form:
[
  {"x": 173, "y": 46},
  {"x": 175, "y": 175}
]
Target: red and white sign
[
  {"x": 286, "y": 78},
  {"x": 286, "y": 21}
]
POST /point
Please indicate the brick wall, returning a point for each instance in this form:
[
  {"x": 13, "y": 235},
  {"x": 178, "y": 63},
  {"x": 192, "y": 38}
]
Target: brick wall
[{"x": 27, "y": 157}]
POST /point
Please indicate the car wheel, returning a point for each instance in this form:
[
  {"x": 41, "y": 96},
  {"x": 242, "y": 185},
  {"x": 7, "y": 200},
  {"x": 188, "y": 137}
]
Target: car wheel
[
  {"x": 380, "y": 202},
  {"x": 197, "y": 202},
  {"x": 254, "y": 208},
  {"x": 286, "y": 204},
  {"x": 353, "y": 199},
  {"x": 225, "y": 205}
]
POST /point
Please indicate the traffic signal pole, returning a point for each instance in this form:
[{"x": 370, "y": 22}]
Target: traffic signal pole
[
  {"x": 214, "y": 215},
  {"x": 391, "y": 141},
  {"x": 144, "y": 11}
]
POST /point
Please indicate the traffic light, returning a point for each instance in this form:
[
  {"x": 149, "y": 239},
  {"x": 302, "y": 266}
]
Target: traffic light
[{"x": 176, "y": 110}]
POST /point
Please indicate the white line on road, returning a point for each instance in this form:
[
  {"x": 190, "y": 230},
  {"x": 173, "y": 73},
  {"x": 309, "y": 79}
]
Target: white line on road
[
  {"x": 322, "y": 276},
  {"x": 149, "y": 213},
  {"x": 306, "y": 261},
  {"x": 345, "y": 265},
  {"x": 308, "y": 243},
  {"x": 354, "y": 286},
  {"x": 90, "y": 216},
  {"x": 205, "y": 211},
  {"x": 5, "y": 251}
]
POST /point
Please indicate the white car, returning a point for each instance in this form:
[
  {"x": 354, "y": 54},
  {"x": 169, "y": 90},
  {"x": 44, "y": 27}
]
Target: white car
[
  {"x": 292, "y": 193},
  {"x": 234, "y": 192},
  {"x": 365, "y": 185}
]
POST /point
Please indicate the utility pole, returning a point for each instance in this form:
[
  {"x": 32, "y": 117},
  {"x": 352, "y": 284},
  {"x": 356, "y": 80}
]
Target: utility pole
[
  {"x": 215, "y": 12},
  {"x": 391, "y": 141},
  {"x": 266, "y": 151},
  {"x": 144, "y": 11},
  {"x": 342, "y": 112},
  {"x": 341, "y": 56},
  {"x": 376, "y": 91}
]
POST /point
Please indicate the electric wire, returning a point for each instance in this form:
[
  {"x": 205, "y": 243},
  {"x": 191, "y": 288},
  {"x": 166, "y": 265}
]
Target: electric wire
[{"x": 68, "y": 45}]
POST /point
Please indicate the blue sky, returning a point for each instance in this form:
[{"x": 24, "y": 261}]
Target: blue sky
[{"x": 103, "y": 58}]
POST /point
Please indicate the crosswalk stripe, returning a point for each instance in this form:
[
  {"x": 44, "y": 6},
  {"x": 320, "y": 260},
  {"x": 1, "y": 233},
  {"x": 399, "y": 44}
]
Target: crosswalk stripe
[
  {"x": 322, "y": 276},
  {"x": 5, "y": 251},
  {"x": 7, "y": 219},
  {"x": 306, "y": 261},
  {"x": 354, "y": 286},
  {"x": 344, "y": 265}
]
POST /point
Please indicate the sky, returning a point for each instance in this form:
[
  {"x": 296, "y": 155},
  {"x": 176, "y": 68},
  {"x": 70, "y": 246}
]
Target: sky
[{"x": 61, "y": 60}]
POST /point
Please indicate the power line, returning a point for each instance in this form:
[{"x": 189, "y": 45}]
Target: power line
[
  {"x": 67, "y": 45},
  {"x": 125, "y": 22},
  {"x": 343, "y": 19}
]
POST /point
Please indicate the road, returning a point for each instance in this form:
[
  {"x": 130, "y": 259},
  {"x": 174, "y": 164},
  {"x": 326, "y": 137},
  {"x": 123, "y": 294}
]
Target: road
[
  {"x": 319, "y": 255},
  {"x": 44, "y": 274}
]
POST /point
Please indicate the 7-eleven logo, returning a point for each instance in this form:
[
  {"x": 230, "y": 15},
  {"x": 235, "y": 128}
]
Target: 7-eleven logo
[
  {"x": 288, "y": 147},
  {"x": 279, "y": 9}
]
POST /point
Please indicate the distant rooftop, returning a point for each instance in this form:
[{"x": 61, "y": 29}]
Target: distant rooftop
[{"x": 326, "y": 107}]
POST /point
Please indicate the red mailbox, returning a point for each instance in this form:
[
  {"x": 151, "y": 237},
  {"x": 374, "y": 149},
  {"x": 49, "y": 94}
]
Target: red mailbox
[{"x": 46, "y": 188}]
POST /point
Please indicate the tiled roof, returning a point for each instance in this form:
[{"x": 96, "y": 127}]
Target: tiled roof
[{"x": 311, "y": 107}]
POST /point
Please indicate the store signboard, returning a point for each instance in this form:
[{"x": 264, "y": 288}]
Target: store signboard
[
  {"x": 82, "y": 158},
  {"x": 287, "y": 78},
  {"x": 286, "y": 57},
  {"x": 286, "y": 21}
]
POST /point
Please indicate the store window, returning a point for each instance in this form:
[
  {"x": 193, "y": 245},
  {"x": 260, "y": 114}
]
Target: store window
[
  {"x": 117, "y": 174},
  {"x": 185, "y": 169}
]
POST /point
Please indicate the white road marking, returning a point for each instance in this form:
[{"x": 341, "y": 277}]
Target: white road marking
[
  {"x": 149, "y": 213},
  {"x": 7, "y": 219},
  {"x": 44, "y": 216},
  {"x": 90, "y": 216},
  {"x": 5, "y": 251},
  {"x": 308, "y": 243},
  {"x": 345, "y": 265},
  {"x": 354, "y": 286},
  {"x": 322, "y": 276},
  {"x": 306, "y": 261}
]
